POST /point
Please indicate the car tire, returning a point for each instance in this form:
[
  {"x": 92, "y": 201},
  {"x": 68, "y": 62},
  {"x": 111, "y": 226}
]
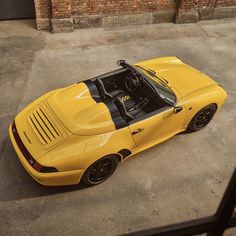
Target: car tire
[
  {"x": 202, "y": 118},
  {"x": 100, "y": 170}
]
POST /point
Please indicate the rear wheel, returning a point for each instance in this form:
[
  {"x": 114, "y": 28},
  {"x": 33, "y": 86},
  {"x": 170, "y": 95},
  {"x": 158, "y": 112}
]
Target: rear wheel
[
  {"x": 100, "y": 170},
  {"x": 202, "y": 118}
]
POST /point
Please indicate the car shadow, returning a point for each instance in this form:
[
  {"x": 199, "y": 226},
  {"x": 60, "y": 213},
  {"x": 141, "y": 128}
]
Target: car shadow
[{"x": 17, "y": 184}]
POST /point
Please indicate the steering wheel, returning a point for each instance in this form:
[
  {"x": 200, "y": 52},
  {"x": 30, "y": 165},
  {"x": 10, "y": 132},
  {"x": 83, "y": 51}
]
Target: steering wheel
[{"x": 132, "y": 82}]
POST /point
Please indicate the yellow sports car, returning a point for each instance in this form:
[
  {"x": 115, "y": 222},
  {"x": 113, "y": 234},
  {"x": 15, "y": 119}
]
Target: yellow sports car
[{"x": 81, "y": 132}]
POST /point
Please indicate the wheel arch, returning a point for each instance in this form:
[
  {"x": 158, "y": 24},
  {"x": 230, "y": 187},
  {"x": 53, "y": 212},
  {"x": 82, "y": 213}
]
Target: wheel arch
[
  {"x": 191, "y": 127},
  {"x": 216, "y": 105},
  {"x": 124, "y": 153},
  {"x": 200, "y": 99},
  {"x": 85, "y": 173}
]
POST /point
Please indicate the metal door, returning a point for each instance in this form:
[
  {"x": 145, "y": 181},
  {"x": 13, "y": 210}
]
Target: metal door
[{"x": 16, "y": 9}]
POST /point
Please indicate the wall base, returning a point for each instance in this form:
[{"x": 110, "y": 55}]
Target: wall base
[
  {"x": 64, "y": 25},
  {"x": 190, "y": 16},
  {"x": 206, "y": 13},
  {"x": 81, "y": 22},
  {"x": 122, "y": 20},
  {"x": 225, "y": 12},
  {"x": 43, "y": 24}
]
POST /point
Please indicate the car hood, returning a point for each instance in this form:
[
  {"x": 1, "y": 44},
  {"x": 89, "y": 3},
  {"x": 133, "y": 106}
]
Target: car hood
[
  {"x": 79, "y": 112},
  {"x": 184, "y": 78}
]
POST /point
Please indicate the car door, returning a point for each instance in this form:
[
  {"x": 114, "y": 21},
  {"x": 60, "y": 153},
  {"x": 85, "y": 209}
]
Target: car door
[{"x": 157, "y": 127}]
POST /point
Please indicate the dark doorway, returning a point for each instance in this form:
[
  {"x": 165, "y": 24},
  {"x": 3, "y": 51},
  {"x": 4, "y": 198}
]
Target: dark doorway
[{"x": 16, "y": 9}]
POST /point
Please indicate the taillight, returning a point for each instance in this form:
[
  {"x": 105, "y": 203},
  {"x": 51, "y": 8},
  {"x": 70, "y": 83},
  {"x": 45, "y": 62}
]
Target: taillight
[
  {"x": 28, "y": 156},
  {"x": 37, "y": 166}
]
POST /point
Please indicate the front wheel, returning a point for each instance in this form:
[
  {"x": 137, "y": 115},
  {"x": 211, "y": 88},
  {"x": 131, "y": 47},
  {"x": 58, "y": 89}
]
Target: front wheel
[
  {"x": 100, "y": 170},
  {"x": 202, "y": 118}
]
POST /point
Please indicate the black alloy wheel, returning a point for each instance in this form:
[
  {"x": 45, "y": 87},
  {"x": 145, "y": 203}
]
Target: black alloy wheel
[
  {"x": 100, "y": 171},
  {"x": 202, "y": 118}
]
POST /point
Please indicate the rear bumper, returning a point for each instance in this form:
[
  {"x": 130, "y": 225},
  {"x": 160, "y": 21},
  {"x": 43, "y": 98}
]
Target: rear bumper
[{"x": 47, "y": 179}]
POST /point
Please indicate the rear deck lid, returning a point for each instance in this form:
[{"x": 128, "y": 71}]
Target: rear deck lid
[{"x": 79, "y": 112}]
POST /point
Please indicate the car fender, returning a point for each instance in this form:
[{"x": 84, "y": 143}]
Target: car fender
[
  {"x": 197, "y": 100},
  {"x": 79, "y": 152}
]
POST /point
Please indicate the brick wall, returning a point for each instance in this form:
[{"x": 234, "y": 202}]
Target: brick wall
[
  {"x": 43, "y": 14},
  {"x": 61, "y": 9},
  {"x": 96, "y": 7},
  {"x": 66, "y": 15},
  {"x": 61, "y": 16}
]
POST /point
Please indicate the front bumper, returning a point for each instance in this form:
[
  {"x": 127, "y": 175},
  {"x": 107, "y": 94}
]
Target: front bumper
[{"x": 47, "y": 179}]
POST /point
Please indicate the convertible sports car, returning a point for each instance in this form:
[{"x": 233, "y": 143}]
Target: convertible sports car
[{"x": 81, "y": 132}]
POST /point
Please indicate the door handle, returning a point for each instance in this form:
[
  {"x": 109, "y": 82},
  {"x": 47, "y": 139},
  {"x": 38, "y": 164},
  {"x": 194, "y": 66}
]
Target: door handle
[{"x": 137, "y": 131}]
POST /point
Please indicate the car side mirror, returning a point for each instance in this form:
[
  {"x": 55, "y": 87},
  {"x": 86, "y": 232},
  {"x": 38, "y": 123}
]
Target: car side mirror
[{"x": 177, "y": 109}]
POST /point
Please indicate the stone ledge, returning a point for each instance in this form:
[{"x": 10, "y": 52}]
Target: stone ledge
[
  {"x": 81, "y": 22},
  {"x": 225, "y": 12},
  {"x": 206, "y": 13},
  {"x": 122, "y": 20},
  {"x": 43, "y": 24},
  {"x": 163, "y": 17},
  {"x": 191, "y": 16},
  {"x": 62, "y": 25}
]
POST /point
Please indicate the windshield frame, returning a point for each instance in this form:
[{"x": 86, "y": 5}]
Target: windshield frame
[{"x": 138, "y": 70}]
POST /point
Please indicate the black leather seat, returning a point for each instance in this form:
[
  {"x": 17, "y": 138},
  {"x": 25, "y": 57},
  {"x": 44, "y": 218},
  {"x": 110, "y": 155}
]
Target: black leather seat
[
  {"x": 121, "y": 106},
  {"x": 127, "y": 100},
  {"x": 128, "y": 108},
  {"x": 103, "y": 92},
  {"x": 128, "y": 112},
  {"x": 116, "y": 93},
  {"x": 136, "y": 112}
]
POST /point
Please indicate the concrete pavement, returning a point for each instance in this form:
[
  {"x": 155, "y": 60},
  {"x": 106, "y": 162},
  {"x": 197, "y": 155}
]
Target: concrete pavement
[{"x": 180, "y": 179}]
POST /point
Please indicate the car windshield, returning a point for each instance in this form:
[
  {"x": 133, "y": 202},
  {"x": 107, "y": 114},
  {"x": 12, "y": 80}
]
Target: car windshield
[{"x": 161, "y": 89}]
